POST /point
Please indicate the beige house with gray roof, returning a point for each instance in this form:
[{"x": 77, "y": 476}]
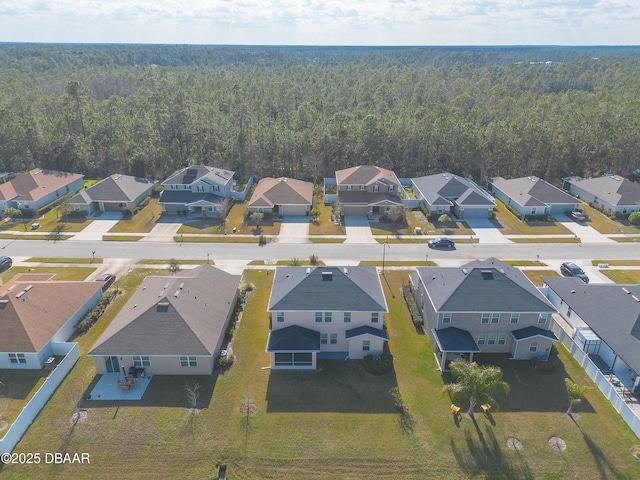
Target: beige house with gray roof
[
  {"x": 170, "y": 325},
  {"x": 282, "y": 196}
]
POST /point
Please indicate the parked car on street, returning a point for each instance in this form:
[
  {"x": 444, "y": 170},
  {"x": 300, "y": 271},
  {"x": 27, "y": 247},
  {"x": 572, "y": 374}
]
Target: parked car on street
[
  {"x": 5, "y": 263},
  {"x": 107, "y": 279},
  {"x": 570, "y": 269},
  {"x": 576, "y": 215},
  {"x": 441, "y": 242}
]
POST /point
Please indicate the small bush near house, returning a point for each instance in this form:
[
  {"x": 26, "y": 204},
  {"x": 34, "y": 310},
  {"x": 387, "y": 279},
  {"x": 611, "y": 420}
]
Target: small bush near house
[
  {"x": 416, "y": 318},
  {"x": 378, "y": 365},
  {"x": 634, "y": 218},
  {"x": 225, "y": 362}
]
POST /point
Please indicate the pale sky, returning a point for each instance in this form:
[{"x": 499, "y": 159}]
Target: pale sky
[{"x": 323, "y": 22}]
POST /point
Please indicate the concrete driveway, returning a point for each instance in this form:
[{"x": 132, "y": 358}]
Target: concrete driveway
[
  {"x": 358, "y": 229},
  {"x": 485, "y": 231},
  {"x": 294, "y": 229},
  {"x": 98, "y": 227},
  {"x": 583, "y": 231}
]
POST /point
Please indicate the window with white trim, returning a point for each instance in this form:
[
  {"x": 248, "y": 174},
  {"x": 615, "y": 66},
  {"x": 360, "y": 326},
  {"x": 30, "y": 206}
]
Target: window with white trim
[
  {"x": 347, "y": 317},
  {"x": 482, "y": 339},
  {"x": 188, "y": 361},
  {"x": 328, "y": 316},
  {"x": 542, "y": 318},
  {"x": 141, "y": 361},
  {"x": 446, "y": 317},
  {"x": 349, "y": 187},
  {"x": 495, "y": 318},
  {"x": 318, "y": 317},
  {"x": 323, "y": 338},
  {"x": 515, "y": 317},
  {"x": 391, "y": 188},
  {"x": 17, "y": 358},
  {"x": 280, "y": 317},
  {"x": 491, "y": 338},
  {"x": 366, "y": 345},
  {"x": 533, "y": 346},
  {"x": 375, "y": 316},
  {"x": 502, "y": 339},
  {"x": 485, "y": 318},
  {"x": 363, "y": 187},
  {"x": 333, "y": 338},
  {"x": 376, "y": 188}
]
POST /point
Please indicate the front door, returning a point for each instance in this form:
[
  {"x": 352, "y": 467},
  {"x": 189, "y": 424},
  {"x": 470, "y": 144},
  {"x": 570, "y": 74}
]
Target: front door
[{"x": 112, "y": 364}]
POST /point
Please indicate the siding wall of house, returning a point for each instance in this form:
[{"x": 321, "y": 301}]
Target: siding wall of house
[
  {"x": 161, "y": 365},
  {"x": 356, "y": 352},
  {"x": 32, "y": 361}
]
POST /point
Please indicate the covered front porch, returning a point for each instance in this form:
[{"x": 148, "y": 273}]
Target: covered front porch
[
  {"x": 451, "y": 344},
  {"x": 115, "y": 386}
]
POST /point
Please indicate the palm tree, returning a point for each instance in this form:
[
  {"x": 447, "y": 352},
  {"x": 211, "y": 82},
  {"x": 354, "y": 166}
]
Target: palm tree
[
  {"x": 475, "y": 382},
  {"x": 575, "y": 392}
]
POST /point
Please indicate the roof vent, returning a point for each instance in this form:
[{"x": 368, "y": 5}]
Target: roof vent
[
  {"x": 327, "y": 276},
  {"x": 167, "y": 285},
  {"x": 464, "y": 270},
  {"x": 28, "y": 287},
  {"x": 20, "y": 294},
  {"x": 346, "y": 271},
  {"x": 626, "y": 291},
  {"x": 308, "y": 271},
  {"x": 177, "y": 293},
  {"x": 501, "y": 270},
  {"x": 635, "y": 298},
  {"x": 181, "y": 286},
  {"x": 573, "y": 291}
]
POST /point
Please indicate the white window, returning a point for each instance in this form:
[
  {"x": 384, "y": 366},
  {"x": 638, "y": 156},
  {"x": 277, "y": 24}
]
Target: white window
[
  {"x": 446, "y": 317},
  {"x": 328, "y": 317},
  {"x": 533, "y": 346},
  {"x": 542, "y": 318},
  {"x": 333, "y": 338},
  {"x": 495, "y": 318},
  {"x": 188, "y": 362},
  {"x": 363, "y": 187},
  {"x": 318, "y": 317},
  {"x": 533, "y": 210},
  {"x": 515, "y": 317},
  {"x": 280, "y": 317},
  {"x": 349, "y": 187},
  {"x": 391, "y": 188},
  {"x": 491, "y": 339},
  {"x": 374, "y": 317},
  {"x": 376, "y": 188},
  {"x": 17, "y": 358},
  {"x": 366, "y": 345},
  {"x": 323, "y": 338},
  {"x": 482, "y": 339},
  {"x": 347, "y": 317},
  {"x": 141, "y": 361},
  {"x": 485, "y": 318},
  {"x": 502, "y": 339}
]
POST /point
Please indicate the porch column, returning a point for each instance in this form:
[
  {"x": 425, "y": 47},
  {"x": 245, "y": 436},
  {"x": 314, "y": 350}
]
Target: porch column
[{"x": 470, "y": 357}]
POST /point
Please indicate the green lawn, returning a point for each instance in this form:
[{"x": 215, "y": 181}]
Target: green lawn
[
  {"x": 323, "y": 225},
  {"x": 141, "y": 222},
  {"x": 398, "y": 263},
  {"x": 218, "y": 239},
  {"x": 524, "y": 263},
  {"x": 211, "y": 226},
  {"x": 604, "y": 224},
  {"x": 622, "y": 276},
  {"x": 509, "y": 224},
  {"x": 16, "y": 389},
  {"x": 416, "y": 218},
  {"x": 51, "y": 222},
  {"x": 63, "y": 260},
  {"x": 334, "y": 423},
  {"x": 61, "y": 273},
  {"x": 327, "y": 240},
  {"x": 235, "y": 219},
  {"x": 624, "y": 263},
  {"x": 546, "y": 240}
]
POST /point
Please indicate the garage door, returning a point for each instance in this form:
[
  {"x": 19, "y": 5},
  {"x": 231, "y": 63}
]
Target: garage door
[
  {"x": 356, "y": 209},
  {"x": 293, "y": 210},
  {"x": 303, "y": 359}
]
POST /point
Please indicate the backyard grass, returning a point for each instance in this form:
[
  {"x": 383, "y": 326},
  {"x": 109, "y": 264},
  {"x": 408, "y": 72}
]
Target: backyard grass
[
  {"x": 509, "y": 224},
  {"x": 622, "y": 276},
  {"x": 141, "y": 222},
  {"x": 63, "y": 260},
  {"x": 536, "y": 275},
  {"x": 61, "y": 273},
  {"x": 323, "y": 224},
  {"x": 16, "y": 389},
  {"x": 619, "y": 263},
  {"x": 604, "y": 224},
  {"x": 334, "y": 423}
]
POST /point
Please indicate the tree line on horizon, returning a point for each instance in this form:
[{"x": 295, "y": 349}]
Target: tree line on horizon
[{"x": 305, "y": 114}]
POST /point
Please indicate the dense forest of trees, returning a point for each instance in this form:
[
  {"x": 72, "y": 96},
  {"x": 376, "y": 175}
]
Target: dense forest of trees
[{"x": 307, "y": 111}]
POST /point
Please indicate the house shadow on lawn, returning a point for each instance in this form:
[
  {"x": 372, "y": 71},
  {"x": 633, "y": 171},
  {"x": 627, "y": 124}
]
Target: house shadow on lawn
[
  {"x": 337, "y": 386},
  {"x": 532, "y": 390},
  {"x": 163, "y": 391}
]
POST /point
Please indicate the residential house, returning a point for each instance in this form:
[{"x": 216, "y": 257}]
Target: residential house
[
  {"x": 36, "y": 313},
  {"x": 325, "y": 313},
  {"x": 613, "y": 193},
  {"x": 367, "y": 190},
  {"x": 197, "y": 190},
  {"x": 532, "y": 196},
  {"x": 37, "y": 188},
  {"x": 453, "y": 195},
  {"x": 113, "y": 194},
  {"x": 604, "y": 319},
  {"x": 171, "y": 325},
  {"x": 484, "y": 306},
  {"x": 282, "y": 196}
]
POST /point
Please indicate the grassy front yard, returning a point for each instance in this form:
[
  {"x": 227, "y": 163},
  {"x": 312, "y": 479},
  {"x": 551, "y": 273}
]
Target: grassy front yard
[
  {"x": 323, "y": 224},
  {"x": 509, "y": 224},
  {"x": 415, "y": 218},
  {"x": 334, "y": 423},
  {"x": 536, "y": 275},
  {"x": 622, "y": 276},
  {"x": 604, "y": 224},
  {"x": 52, "y": 221},
  {"x": 142, "y": 222},
  {"x": 61, "y": 273}
]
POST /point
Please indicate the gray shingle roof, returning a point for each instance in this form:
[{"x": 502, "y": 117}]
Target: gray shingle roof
[
  {"x": 116, "y": 188},
  {"x": 444, "y": 188},
  {"x": 482, "y": 286},
  {"x": 186, "y": 197},
  {"x": 365, "y": 175},
  {"x": 366, "y": 330},
  {"x": 452, "y": 339},
  {"x": 611, "y": 312},
  {"x": 532, "y": 191},
  {"x": 611, "y": 188},
  {"x": 351, "y": 197},
  {"x": 189, "y": 175},
  {"x": 294, "y": 338},
  {"x": 179, "y": 315},
  {"x": 327, "y": 289},
  {"x": 530, "y": 332}
]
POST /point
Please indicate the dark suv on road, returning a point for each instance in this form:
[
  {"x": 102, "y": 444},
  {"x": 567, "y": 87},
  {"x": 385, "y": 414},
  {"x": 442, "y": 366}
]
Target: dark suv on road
[
  {"x": 5, "y": 263},
  {"x": 570, "y": 269}
]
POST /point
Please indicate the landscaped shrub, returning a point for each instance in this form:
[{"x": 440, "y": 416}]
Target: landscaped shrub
[
  {"x": 424, "y": 209},
  {"x": 410, "y": 301},
  {"x": 96, "y": 312},
  {"x": 634, "y": 218},
  {"x": 378, "y": 365}
]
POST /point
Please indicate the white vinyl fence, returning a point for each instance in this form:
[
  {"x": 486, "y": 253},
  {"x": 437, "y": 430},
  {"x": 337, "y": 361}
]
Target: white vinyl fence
[
  {"x": 600, "y": 380},
  {"x": 32, "y": 408}
]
